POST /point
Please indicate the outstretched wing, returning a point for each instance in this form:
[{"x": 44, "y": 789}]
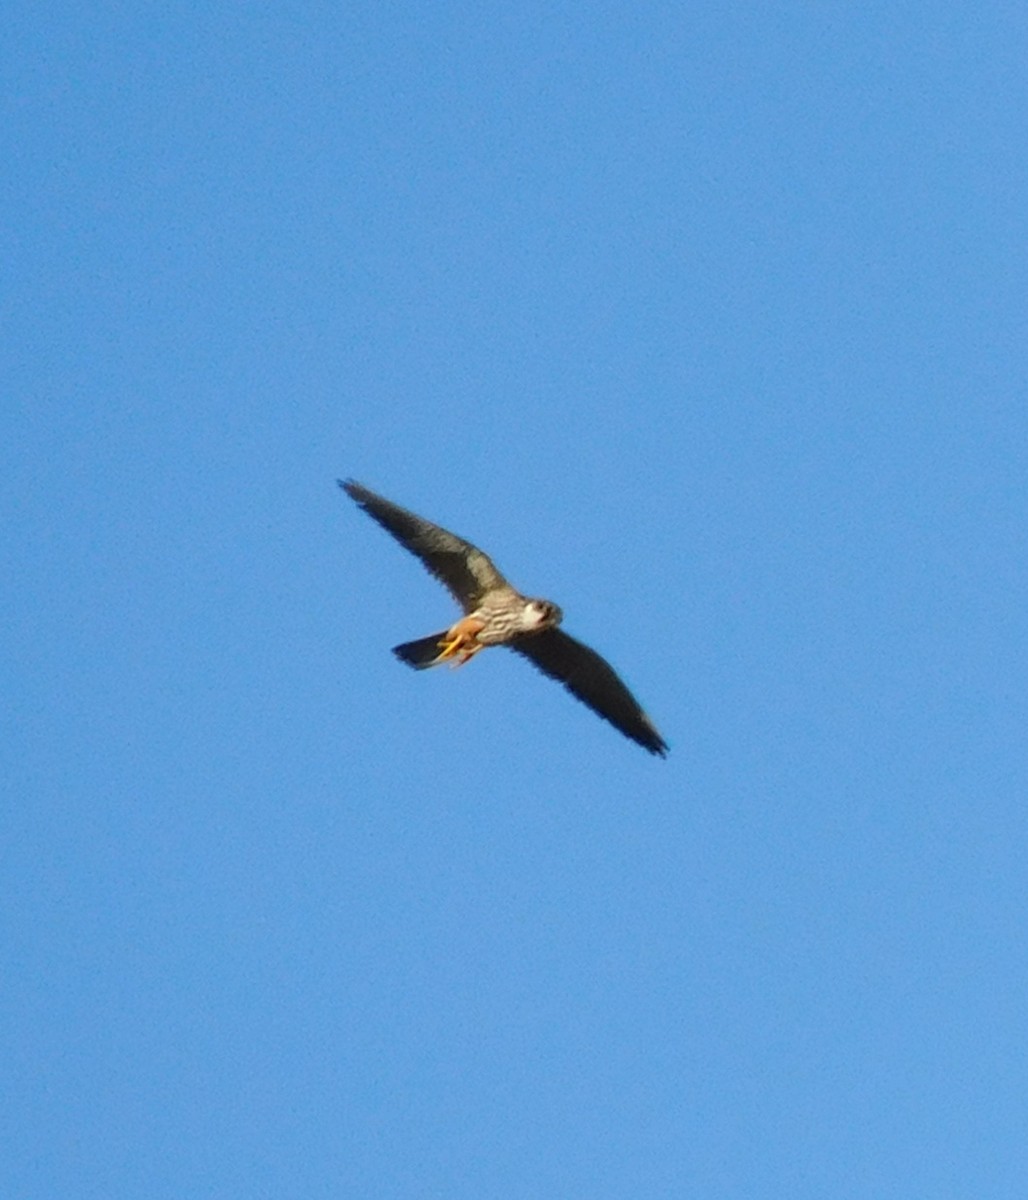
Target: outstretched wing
[
  {"x": 459, "y": 566},
  {"x": 593, "y": 681}
]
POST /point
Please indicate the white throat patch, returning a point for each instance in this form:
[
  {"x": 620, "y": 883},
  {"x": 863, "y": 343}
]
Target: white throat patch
[{"x": 532, "y": 616}]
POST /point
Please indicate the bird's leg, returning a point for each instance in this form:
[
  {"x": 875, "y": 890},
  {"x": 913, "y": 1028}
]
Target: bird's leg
[
  {"x": 460, "y": 640},
  {"x": 465, "y": 654}
]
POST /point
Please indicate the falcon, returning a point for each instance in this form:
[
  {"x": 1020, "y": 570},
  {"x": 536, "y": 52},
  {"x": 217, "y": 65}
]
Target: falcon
[{"x": 497, "y": 615}]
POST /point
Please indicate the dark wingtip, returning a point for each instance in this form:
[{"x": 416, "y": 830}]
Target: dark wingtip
[
  {"x": 356, "y": 491},
  {"x": 654, "y": 742}
]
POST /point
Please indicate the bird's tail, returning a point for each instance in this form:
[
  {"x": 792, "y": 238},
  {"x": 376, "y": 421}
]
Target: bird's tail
[{"x": 425, "y": 652}]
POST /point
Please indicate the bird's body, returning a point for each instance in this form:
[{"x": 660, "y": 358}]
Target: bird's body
[
  {"x": 495, "y": 614},
  {"x": 502, "y": 616}
]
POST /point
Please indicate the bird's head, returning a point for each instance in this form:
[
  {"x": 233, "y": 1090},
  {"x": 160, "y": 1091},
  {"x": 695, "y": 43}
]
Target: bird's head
[{"x": 547, "y": 613}]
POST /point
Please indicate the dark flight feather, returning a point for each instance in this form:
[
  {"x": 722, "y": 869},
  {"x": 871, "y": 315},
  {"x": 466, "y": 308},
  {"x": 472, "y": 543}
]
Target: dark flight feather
[
  {"x": 458, "y": 565},
  {"x": 590, "y": 678}
]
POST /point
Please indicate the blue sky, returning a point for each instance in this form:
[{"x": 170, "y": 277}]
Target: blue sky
[{"x": 709, "y": 325}]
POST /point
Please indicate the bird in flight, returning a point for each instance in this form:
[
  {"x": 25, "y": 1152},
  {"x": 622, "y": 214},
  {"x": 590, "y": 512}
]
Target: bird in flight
[{"x": 497, "y": 615}]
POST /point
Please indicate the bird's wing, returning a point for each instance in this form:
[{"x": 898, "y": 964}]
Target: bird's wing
[
  {"x": 461, "y": 567},
  {"x": 593, "y": 681}
]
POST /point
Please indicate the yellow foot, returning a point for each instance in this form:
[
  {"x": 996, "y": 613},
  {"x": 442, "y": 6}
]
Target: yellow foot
[
  {"x": 450, "y": 646},
  {"x": 458, "y": 651},
  {"x": 460, "y": 642}
]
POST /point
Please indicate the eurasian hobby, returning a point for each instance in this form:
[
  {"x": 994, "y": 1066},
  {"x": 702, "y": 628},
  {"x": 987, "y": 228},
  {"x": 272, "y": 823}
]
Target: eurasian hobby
[{"x": 497, "y": 615}]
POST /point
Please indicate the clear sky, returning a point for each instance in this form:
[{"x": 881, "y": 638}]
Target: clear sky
[{"x": 708, "y": 322}]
